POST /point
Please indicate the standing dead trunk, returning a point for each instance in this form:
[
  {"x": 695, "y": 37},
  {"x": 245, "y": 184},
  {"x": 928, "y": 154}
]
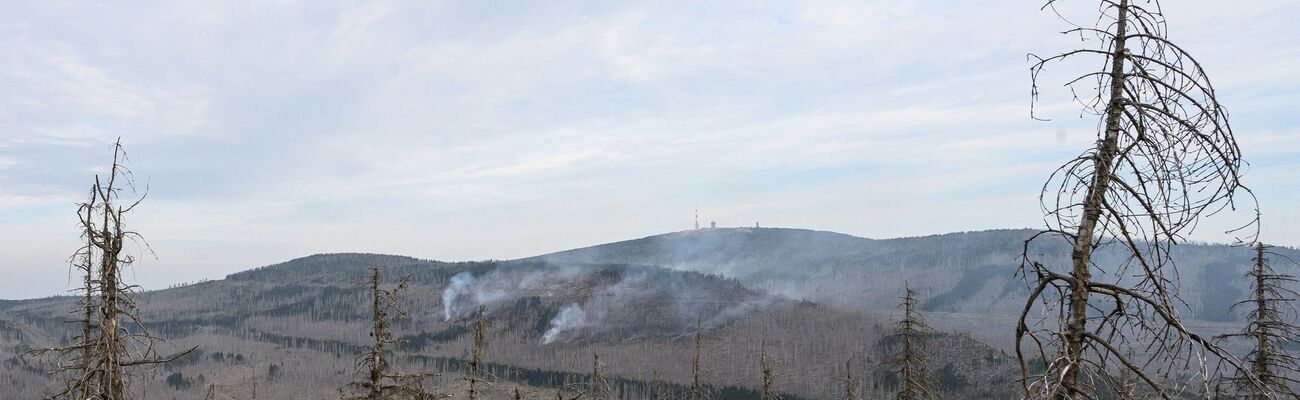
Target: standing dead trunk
[
  {"x": 850, "y": 385},
  {"x": 910, "y": 336},
  {"x": 377, "y": 377},
  {"x": 769, "y": 376},
  {"x": 1081, "y": 255},
  {"x": 599, "y": 386},
  {"x": 113, "y": 337},
  {"x": 1273, "y": 368},
  {"x": 1165, "y": 157},
  {"x": 479, "y": 342},
  {"x": 379, "y": 332},
  {"x": 697, "y": 390}
]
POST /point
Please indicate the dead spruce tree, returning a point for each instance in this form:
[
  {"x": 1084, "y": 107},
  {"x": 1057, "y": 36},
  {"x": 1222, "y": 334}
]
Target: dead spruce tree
[
  {"x": 769, "y": 376},
  {"x": 697, "y": 391},
  {"x": 378, "y": 378},
  {"x": 600, "y": 389},
  {"x": 1269, "y": 331},
  {"x": 1165, "y": 157},
  {"x": 850, "y": 383},
  {"x": 113, "y": 338},
  {"x": 656, "y": 389},
  {"x": 480, "y": 341},
  {"x": 910, "y": 337},
  {"x": 84, "y": 261}
]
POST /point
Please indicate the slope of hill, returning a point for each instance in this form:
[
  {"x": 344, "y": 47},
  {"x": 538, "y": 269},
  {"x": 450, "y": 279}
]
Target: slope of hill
[
  {"x": 295, "y": 327},
  {"x": 293, "y": 330},
  {"x": 967, "y": 272}
]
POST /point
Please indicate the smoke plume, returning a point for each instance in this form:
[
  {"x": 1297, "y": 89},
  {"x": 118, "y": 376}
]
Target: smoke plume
[{"x": 570, "y": 316}]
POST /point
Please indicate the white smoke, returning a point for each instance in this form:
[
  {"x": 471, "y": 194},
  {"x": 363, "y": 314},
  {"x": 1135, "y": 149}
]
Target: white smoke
[
  {"x": 463, "y": 285},
  {"x": 608, "y": 301},
  {"x": 467, "y": 292},
  {"x": 459, "y": 284},
  {"x": 571, "y": 316}
]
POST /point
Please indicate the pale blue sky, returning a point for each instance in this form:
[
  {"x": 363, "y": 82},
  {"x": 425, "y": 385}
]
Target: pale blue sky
[{"x": 460, "y": 131}]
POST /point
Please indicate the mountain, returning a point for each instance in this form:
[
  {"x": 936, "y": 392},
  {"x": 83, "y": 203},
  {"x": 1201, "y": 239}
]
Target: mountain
[
  {"x": 966, "y": 272},
  {"x": 813, "y": 300},
  {"x": 295, "y": 328}
]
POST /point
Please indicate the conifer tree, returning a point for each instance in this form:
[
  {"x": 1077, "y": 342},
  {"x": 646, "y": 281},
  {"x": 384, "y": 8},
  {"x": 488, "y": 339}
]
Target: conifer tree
[
  {"x": 769, "y": 376},
  {"x": 113, "y": 338},
  {"x": 1165, "y": 156},
  {"x": 910, "y": 361},
  {"x": 1270, "y": 332},
  {"x": 480, "y": 341},
  {"x": 379, "y": 378}
]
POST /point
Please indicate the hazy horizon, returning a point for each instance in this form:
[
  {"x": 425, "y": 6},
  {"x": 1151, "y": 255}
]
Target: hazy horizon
[{"x": 704, "y": 225}]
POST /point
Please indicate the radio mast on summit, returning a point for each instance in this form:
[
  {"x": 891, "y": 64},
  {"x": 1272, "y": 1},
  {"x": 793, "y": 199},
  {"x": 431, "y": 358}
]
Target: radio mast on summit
[{"x": 697, "y": 217}]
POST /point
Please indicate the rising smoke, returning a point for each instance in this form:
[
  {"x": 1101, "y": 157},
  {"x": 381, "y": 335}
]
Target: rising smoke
[
  {"x": 618, "y": 301},
  {"x": 570, "y": 317}
]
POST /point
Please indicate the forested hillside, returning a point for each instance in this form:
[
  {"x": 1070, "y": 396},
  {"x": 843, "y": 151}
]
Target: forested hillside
[
  {"x": 292, "y": 330},
  {"x": 968, "y": 272},
  {"x": 295, "y": 328}
]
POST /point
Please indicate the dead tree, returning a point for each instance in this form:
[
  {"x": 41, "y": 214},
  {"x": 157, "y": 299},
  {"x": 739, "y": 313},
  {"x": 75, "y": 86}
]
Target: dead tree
[
  {"x": 769, "y": 376},
  {"x": 379, "y": 379},
  {"x": 113, "y": 338},
  {"x": 655, "y": 389},
  {"x": 909, "y": 338},
  {"x": 84, "y": 261},
  {"x": 850, "y": 384},
  {"x": 600, "y": 389},
  {"x": 1274, "y": 368},
  {"x": 480, "y": 341},
  {"x": 697, "y": 389},
  {"x": 1165, "y": 157}
]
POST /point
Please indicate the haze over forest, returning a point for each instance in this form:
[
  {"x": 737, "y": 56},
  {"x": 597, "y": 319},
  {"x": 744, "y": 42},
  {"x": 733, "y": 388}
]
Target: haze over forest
[{"x": 1079, "y": 199}]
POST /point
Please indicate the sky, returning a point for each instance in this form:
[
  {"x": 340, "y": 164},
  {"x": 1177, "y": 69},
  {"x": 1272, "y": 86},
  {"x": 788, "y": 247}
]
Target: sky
[{"x": 271, "y": 130}]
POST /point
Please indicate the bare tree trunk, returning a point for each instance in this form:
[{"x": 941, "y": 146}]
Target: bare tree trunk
[
  {"x": 769, "y": 377},
  {"x": 850, "y": 386},
  {"x": 915, "y": 381},
  {"x": 1263, "y": 347},
  {"x": 112, "y": 378},
  {"x": 377, "y": 378},
  {"x": 113, "y": 337},
  {"x": 1274, "y": 369},
  {"x": 1166, "y": 157},
  {"x": 88, "y": 301},
  {"x": 697, "y": 392},
  {"x": 379, "y": 332},
  {"x": 600, "y": 389},
  {"x": 1081, "y": 256},
  {"x": 479, "y": 342},
  {"x": 654, "y": 386}
]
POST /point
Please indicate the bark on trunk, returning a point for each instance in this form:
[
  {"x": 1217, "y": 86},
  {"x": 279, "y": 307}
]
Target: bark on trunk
[{"x": 1081, "y": 255}]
